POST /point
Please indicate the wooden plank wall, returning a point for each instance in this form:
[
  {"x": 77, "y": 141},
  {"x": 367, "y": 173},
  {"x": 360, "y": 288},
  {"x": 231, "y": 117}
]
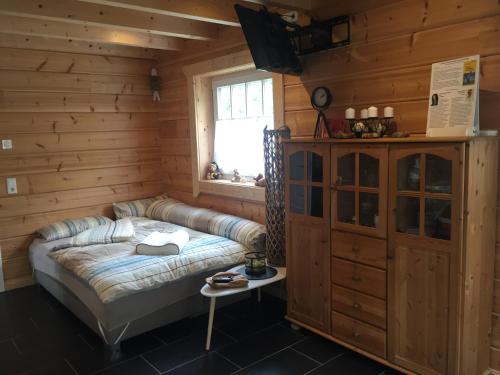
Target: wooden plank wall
[
  {"x": 393, "y": 46},
  {"x": 174, "y": 127},
  {"x": 85, "y": 133},
  {"x": 389, "y": 62}
]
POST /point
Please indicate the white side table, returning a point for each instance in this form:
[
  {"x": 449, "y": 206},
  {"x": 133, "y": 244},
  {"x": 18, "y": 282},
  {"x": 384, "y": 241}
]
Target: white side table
[{"x": 213, "y": 294}]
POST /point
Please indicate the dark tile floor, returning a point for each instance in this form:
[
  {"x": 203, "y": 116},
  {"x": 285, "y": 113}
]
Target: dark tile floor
[{"x": 39, "y": 336}]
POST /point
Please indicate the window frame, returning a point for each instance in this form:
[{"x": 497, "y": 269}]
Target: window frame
[
  {"x": 201, "y": 121},
  {"x": 235, "y": 79}
]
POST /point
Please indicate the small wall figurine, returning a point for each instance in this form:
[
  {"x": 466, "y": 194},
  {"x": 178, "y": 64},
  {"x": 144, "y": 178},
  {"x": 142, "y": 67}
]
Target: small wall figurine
[
  {"x": 155, "y": 83},
  {"x": 237, "y": 177},
  {"x": 213, "y": 172},
  {"x": 260, "y": 180}
]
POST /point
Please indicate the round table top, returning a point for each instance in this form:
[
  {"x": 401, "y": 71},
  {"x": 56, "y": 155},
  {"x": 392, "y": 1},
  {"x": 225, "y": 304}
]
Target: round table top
[{"x": 207, "y": 291}]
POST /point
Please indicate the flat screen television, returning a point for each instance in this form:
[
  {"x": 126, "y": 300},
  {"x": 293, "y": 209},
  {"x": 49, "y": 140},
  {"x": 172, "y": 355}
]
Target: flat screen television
[{"x": 269, "y": 41}]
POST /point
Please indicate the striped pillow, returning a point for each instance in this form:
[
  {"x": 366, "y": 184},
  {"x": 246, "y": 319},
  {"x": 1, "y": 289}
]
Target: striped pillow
[
  {"x": 246, "y": 232},
  {"x": 71, "y": 227},
  {"x": 134, "y": 208}
]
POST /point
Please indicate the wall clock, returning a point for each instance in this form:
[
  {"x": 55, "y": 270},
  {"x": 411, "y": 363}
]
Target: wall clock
[{"x": 321, "y": 98}]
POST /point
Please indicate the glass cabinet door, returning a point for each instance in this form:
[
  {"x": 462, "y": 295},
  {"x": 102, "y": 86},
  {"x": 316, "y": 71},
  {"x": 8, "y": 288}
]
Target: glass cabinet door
[
  {"x": 424, "y": 188},
  {"x": 359, "y": 184},
  {"x": 307, "y": 174}
]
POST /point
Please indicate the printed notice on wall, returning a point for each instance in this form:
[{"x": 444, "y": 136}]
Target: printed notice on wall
[{"x": 454, "y": 98}]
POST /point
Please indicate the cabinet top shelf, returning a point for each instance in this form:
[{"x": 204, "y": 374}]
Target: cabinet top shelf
[{"x": 411, "y": 139}]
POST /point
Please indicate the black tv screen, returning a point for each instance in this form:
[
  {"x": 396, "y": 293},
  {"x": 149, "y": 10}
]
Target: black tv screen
[{"x": 269, "y": 41}]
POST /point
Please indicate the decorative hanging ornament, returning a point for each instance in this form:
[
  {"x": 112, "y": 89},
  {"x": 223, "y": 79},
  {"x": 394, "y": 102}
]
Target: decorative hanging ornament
[{"x": 155, "y": 83}]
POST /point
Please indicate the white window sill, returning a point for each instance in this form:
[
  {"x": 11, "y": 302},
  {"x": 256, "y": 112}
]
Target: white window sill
[{"x": 245, "y": 191}]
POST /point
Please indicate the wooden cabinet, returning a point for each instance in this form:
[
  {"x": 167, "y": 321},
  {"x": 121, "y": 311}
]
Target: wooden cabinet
[
  {"x": 404, "y": 246},
  {"x": 308, "y": 233},
  {"x": 425, "y": 232}
]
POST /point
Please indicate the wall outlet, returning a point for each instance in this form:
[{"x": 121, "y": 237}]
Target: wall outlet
[
  {"x": 11, "y": 186},
  {"x": 6, "y": 144}
]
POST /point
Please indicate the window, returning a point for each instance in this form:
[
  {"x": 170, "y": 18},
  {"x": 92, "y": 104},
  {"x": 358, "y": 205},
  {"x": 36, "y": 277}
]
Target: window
[{"x": 243, "y": 107}]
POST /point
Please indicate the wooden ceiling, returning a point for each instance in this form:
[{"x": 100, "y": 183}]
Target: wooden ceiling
[{"x": 135, "y": 28}]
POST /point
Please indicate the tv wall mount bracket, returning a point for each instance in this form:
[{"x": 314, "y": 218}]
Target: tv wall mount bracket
[{"x": 319, "y": 35}]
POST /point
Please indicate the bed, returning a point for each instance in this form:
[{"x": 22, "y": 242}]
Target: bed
[{"x": 119, "y": 293}]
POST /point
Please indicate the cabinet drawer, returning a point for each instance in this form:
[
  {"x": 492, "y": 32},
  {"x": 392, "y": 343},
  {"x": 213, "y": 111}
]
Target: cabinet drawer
[
  {"x": 359, "y": 334},
  {"x": 359, "y": 306},
  {"x": 362, "y": 278},
  {"x": 362, "y": 249}
]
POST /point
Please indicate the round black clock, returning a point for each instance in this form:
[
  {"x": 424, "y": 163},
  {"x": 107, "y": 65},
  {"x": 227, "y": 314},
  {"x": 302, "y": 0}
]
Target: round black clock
[{"x": 321, "y": 98}]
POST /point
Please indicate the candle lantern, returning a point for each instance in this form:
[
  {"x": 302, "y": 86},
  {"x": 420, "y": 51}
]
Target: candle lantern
[
  {"x": 388, "y": 120},
  {"x": 370, "y": 125}
]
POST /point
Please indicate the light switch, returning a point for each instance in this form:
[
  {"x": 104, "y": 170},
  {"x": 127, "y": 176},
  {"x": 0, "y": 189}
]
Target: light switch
[
  {"x": 11, "y": 186},
  {"x": 7, "y": 144}
]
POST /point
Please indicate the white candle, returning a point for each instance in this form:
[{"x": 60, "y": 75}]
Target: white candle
[
  {"x": 350, "y": 113},
  {"x": 373, "y": 112},
  {"x": 388, "y": 112},
  {"x": 364, "y": 113}
]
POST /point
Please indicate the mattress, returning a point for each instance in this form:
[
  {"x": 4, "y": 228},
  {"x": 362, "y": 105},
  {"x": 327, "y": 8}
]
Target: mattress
[{"x": 128, "y": 307}]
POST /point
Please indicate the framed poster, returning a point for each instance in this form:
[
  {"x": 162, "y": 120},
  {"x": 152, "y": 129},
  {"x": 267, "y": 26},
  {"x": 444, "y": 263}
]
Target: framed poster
[{"x": 454, "y": 98}]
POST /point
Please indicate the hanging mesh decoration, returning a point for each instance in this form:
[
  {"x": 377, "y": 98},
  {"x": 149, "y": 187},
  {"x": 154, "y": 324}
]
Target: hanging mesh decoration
[{"x": 275, "y": 194}]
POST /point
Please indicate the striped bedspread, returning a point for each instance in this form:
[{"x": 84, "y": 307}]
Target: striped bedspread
[{"x": 115, "y": 270}]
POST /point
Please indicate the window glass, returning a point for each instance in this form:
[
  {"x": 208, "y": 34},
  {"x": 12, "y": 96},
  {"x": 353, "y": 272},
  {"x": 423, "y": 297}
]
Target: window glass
[
  {"x": 238, "y": 101},
  {"x": 268, "y": 97},
  {"x": 254, "y": 99},
  {"x": 243, "y": 107},
  {"x": 224, "y": 102}
]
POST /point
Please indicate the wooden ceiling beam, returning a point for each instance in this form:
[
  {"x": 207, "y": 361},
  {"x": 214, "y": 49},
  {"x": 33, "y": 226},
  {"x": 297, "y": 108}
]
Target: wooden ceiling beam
[
  {"x": 97, "y": 34},
  {"x": 102, "y": 15},
  {"x": 213, "y": 11},
  {"x": 74, "y": 46},
  {"x": 299, "y": 5}
]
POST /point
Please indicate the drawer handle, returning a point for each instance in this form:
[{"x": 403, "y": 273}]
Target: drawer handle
[
  {"x": 356, "y": 305},
  {"x": 356, "y": 278},
  {"x": 355, "y": 249},
  {"x": 356, "y": 334}
]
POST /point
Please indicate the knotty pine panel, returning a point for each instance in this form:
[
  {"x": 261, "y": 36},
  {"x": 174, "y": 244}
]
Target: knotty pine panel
[
  {"x": 85, "y": 133},
  {"x": 174, "y": 89},
  {"x": 59, "y": 181},
  {"x": 63, "y": 200},
  {"x": 11, "y": 80},
  {"x": 180, "y": 164},
  {"x": 15, "y": 247},
  {"x": 175, "y": 146},
  {"x": 409, "y": 16},
  {"x": 421, "y": 48},
  {"x": 71, "y": 161},
  {"x": 250, "y": 210},
  {"x": 174, "y": 128},
  {"x": 13, "y": 101},
  {"x": 16, "y": 226},
  {"x": 176, "y": 109},
  {"x": 179, "y": 180},
  {"x": 14, "y": 267},
  {"x": 409, "y": 116},
  {"x": 14, "y": 123},
  {"x": 61, "y": 62},
  {"x": 48, "y": 143}
]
